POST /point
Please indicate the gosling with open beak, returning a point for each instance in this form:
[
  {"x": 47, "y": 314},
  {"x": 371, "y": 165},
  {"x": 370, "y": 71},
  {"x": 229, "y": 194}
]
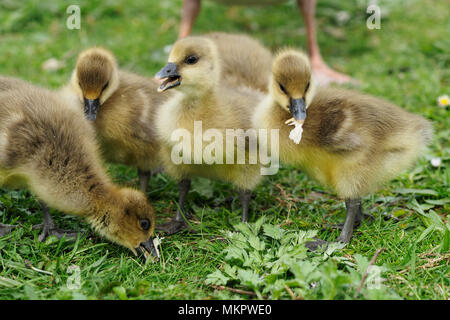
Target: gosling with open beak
[
  {"x": 149, "y": 248},
  {"x": 169, "y": 77}
]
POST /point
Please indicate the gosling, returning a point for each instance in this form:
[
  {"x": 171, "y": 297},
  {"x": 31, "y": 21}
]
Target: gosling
[
  {"x": 48, "y": 147},
  {"x": 352, "y": 143},
  {"x": 121, "y": 106},
  {"x": 194, "y": 72}
]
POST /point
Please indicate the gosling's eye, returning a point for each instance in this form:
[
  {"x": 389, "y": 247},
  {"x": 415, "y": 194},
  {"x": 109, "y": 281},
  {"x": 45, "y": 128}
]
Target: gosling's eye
[
  {"x": 145, "y": 224},
  {"x": 105, "y": 86},
  {"x": 191, "y": 60},
  {"x": 283, "y": 88},
  {"x": 307, "y": 86}
]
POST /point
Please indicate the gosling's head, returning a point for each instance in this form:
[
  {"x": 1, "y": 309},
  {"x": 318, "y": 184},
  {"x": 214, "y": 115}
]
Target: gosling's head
[
  {"x": 193, "y": 66},
  {"x": 95, "y": 78},
  {"x": 292, "y": 84},
  {"x": 128, "y": 220}
]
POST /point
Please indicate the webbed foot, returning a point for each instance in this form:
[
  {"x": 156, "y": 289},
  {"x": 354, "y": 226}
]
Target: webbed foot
[
  {"x": 316, "y": 244},
  {"x": 6, "y": 228},
  {"x": 49, "y": 228},
  {"x": 172, "y": 227}
]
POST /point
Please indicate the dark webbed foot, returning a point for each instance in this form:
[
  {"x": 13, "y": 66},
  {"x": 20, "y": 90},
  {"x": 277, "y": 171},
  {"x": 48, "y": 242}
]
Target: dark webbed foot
[
  {"x": 49, "y": 228},
  {"x": 6, "y": 228},
  {"x": 316, "y": 244},
  {"x": 55, "y": 231},
  {"x": 172, "y": 227}
]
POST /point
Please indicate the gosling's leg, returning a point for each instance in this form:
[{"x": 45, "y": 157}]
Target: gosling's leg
[
  {"x": 157, "y": 170},
  {"x": 178, "y": 223},
  {"x": 144, "y": 177},
  {"x": 360, "y": 216},
  {"x": 49, "y": 228},
  {"x": 6, "y": 228},
  {"x": 244, "y": 197},
  {"x": 354, "y": 213}
]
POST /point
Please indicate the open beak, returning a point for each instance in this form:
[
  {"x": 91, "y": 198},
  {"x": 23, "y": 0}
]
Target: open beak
[
  {"x": 148, "y": 248},
  {"x": 297, "y": 107},
  {"x": 91, "y": 108},
  {"x": 169, "y": 76}
]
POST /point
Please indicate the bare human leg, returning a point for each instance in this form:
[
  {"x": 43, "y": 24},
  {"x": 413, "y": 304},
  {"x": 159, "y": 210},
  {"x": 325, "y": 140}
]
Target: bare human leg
[
  {"x": 322, "y": 72},
  {"x": 191, "y": 8}
]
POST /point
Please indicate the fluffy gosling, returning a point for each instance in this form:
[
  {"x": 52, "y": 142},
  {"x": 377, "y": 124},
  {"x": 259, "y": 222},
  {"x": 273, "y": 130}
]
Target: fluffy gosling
[
  {"x": 121, "y": 106},
  {"x": 351, "y": 142},
  {"x": 194, "y": 73},
  {"x": 48, "y": 147}
]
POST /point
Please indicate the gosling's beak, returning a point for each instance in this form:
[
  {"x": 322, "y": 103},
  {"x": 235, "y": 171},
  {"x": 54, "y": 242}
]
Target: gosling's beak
[
  {"x": 297, "y": 107},
  {"x": 169, "y": 76},
  {"x": 91, "y": 108},
  {"x": 150, "y": 247}
]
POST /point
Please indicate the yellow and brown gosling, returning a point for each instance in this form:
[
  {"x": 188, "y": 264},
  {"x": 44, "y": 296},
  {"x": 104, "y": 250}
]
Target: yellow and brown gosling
[
  {"x": 193, "y": 71},
  {"x": 351, "y": 142},
  {"x": 121, "y": 106},
  {"x": 48, "y": 147}
]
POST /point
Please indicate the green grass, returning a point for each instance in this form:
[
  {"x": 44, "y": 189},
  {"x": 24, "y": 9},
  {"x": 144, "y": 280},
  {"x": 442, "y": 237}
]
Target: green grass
[{"x": 406, "y": 62}]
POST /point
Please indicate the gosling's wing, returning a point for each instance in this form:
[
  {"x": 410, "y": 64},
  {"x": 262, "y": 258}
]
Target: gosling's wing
[{"x": 331, "y": 124}]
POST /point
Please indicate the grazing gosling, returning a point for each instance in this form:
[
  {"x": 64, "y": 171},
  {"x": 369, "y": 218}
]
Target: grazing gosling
[
  {"x": 194, "y": 72},
  {"x": 121, "y": 106},
  {"x": 48, "y": 147},
  {"x": 352, "y": 143}
]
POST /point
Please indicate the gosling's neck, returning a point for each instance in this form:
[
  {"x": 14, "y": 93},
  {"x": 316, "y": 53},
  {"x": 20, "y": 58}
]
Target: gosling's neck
[
  {"x": 195, "y": 98},
  {"x": 100, "y": 195},
  {"x": 104, "y": 203}
]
